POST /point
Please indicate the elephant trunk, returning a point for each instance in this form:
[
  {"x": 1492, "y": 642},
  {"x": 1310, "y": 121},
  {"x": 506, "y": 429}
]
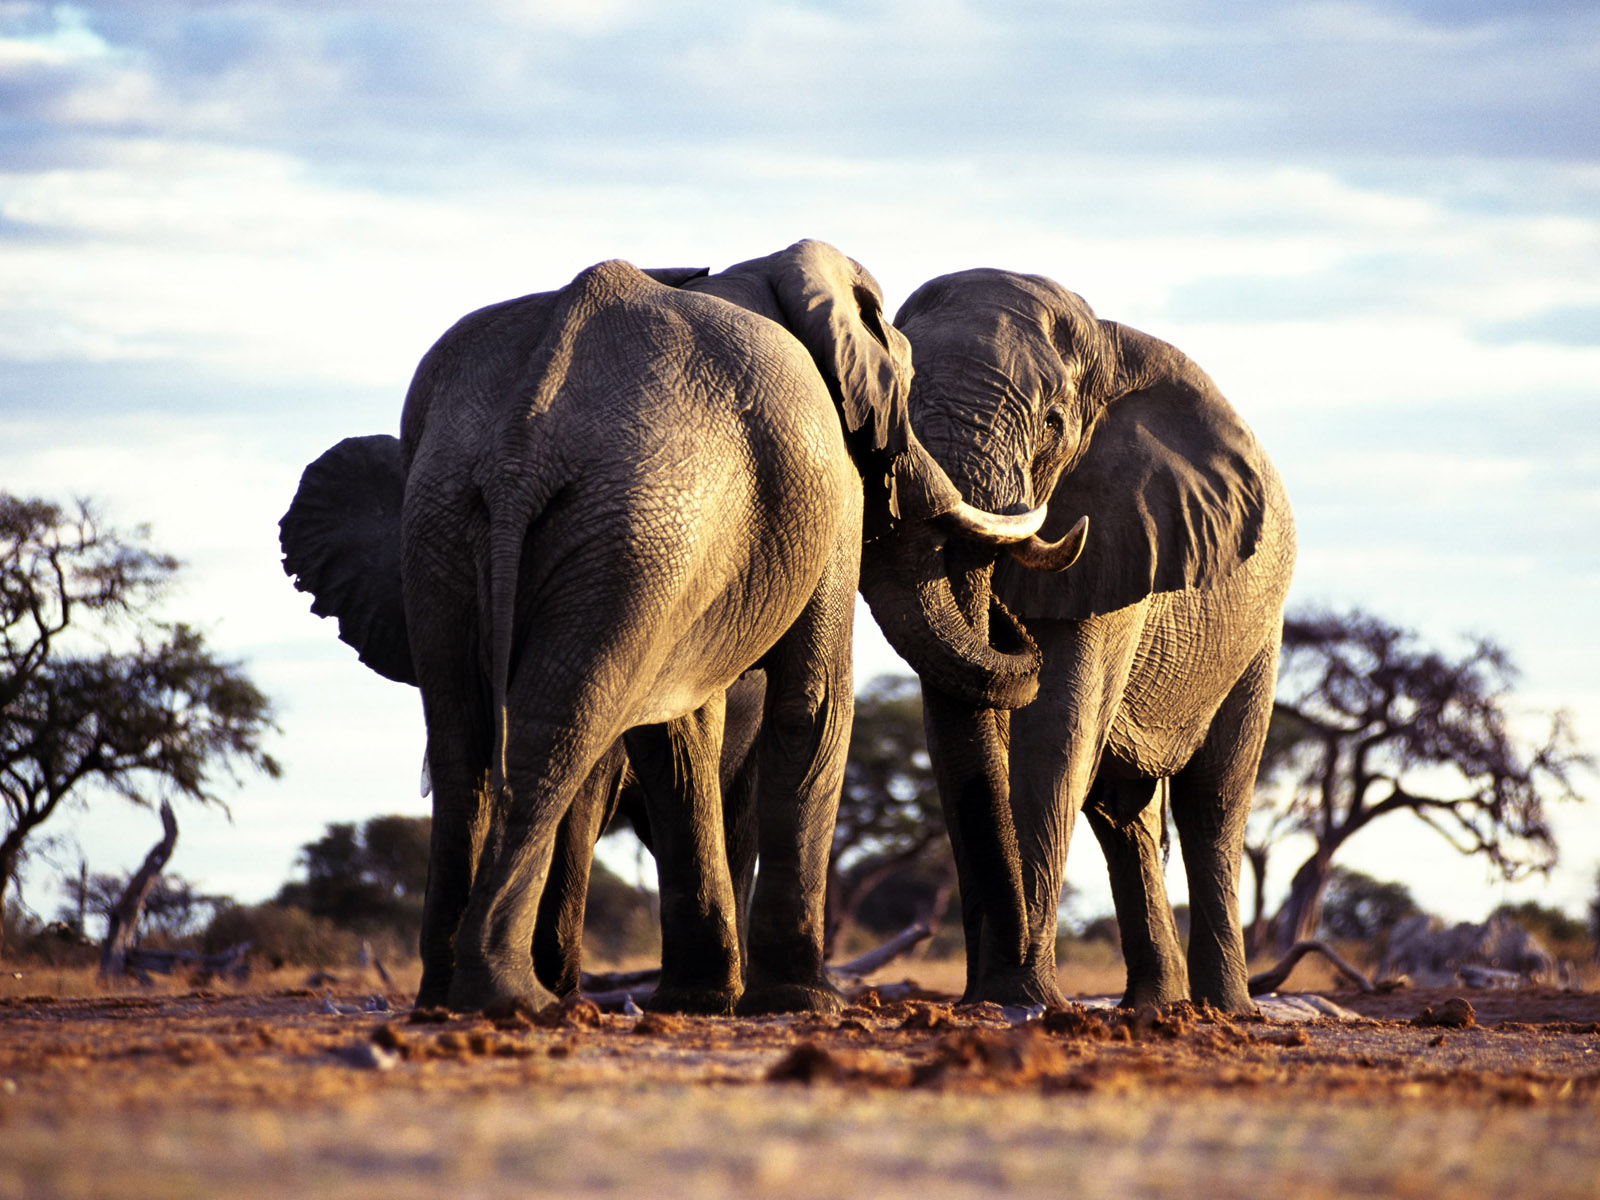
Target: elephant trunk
[
  {"x": 968, "y": 646},
  {"x": 935, "y": 605},
  {"x": 968, "y": 746}
]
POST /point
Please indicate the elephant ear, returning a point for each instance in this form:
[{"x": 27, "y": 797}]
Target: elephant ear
[
  {"x": 1174, "y": 486},
  {"x": 341, "y": 543},
  {"x": 834, "y": 306},
  {"x": 676, "y": 277}
]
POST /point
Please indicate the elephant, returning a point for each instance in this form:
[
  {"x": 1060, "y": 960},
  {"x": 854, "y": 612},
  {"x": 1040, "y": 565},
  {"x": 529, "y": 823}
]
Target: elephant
[
  {"x": 341, "y": 541},
  {"x": 1153, "y": 659},
  {"x": 613, "y": 500}
]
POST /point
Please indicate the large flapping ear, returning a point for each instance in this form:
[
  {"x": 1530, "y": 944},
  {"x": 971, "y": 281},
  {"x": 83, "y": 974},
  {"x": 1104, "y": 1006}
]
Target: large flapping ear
[
  {"x": 835, "y": 307},
  {"x": 1174, "y": 485},
  {"x": 341, "y": 543}
]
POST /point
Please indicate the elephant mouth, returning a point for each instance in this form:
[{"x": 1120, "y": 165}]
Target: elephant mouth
[
  {"x": 926, "y": 578},
  {"x": 1007, "y": 634}
]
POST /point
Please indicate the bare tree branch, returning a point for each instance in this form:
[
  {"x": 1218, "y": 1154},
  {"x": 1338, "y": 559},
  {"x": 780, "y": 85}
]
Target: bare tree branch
[
  {"x": 97, "y": 694},
  {"x": 1381, "y": 709}
]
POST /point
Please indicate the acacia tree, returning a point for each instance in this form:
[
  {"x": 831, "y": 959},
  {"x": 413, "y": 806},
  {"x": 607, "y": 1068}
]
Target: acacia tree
[
  {"x": 889, "y": 819},
  {"x": 98, "y": 695},
  {"x": 1384, "y": 724}
]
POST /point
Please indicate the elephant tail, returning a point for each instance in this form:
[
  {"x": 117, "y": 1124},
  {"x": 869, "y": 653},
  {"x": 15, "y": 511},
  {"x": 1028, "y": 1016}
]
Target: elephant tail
[
  {"x": 515, "y": 497},
  {"x": 507, "y": 534}
]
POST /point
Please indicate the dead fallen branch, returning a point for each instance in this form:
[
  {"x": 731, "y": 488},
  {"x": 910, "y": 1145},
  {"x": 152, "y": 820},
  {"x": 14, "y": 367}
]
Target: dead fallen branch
[
  {"x": 232, "y": 963},
  {"x": 865, "y": 964},
  {"x": 1271, "y": 980},
  {"x": 611, "y": 989},
  {"x": 611, "y": 981}
]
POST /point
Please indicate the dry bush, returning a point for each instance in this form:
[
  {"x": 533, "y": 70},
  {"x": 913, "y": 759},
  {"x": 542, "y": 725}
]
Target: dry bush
[{"x": 281, "y": 935}]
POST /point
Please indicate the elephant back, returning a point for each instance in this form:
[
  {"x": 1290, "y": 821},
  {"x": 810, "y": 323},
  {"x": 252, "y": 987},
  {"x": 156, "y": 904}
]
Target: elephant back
[{"x": 341, "y": 542}]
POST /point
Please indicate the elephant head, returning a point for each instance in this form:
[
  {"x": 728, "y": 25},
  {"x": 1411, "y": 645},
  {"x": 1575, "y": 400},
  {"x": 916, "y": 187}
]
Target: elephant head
[
  {"x": 341, "y": 535},
  {"x": 1026, "y": 399}
]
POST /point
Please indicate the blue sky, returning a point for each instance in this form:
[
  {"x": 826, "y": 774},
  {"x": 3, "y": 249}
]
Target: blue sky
[{"x": 228, "y": 232}]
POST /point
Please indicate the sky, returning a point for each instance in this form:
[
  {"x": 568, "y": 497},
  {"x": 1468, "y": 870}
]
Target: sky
[{"x": 228, "y": 231}]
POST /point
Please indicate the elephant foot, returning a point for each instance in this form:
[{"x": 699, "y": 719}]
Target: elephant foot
[
  {"x": 1237, "y": 1002},
  {"x": 475, "y": 989},
  {"x": 709, "y": 1002},
  {"x": 1146, "y": 993},
  {"x": 434, "y": 991},
  {"x": 1021, "y": 989},
  {"x": 767, "y": 1000}
]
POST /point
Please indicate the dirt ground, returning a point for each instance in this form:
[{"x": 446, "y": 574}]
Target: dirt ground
[{"x": 300, "y": 1091}]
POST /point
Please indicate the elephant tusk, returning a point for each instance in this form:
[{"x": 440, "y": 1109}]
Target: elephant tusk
[
  {"x": 966, "y": 521},
  {"x": 1039, "y": 555}
]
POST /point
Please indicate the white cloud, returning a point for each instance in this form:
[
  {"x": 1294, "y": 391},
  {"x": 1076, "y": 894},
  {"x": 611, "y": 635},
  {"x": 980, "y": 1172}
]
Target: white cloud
[
  {"x": 583, "y": 17},
  {"x": 69, "y": 40}
]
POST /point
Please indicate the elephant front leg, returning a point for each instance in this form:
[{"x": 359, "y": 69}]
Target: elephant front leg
[
  {"x": 1010, "y": 941},
  {"x": 1127, "y": 819},
  {"x": 1054, "y": 752},
  {"x": 677, "y": 766}
]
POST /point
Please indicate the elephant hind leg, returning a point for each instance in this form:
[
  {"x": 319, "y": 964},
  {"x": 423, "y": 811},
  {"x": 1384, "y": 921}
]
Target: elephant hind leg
[
  {"x": 557, "y": 735},
  {"x": 558, "y": 934},
  {"x": 677, "y": 763},
  {"x": 800, "y": 756},
  {"x": 1210, "y": 804},
  {"x": 459, "y": 733}
]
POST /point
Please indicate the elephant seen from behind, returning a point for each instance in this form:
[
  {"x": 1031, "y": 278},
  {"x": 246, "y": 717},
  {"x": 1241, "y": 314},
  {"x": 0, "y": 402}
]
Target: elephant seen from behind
[{"x": 1154, "y": 656}]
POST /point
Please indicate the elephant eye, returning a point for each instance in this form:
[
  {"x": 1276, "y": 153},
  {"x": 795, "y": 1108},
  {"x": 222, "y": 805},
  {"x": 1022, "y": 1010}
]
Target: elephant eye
[{"x": 1055, "y": 421}]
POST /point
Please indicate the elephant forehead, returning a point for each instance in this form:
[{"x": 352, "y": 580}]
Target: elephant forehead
[{"x": 1003, "y": 349}]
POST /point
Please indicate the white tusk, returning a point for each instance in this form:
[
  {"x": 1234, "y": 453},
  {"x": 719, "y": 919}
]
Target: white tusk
[
  {"x": 964, "y": 520},
  {"x": 1039, "y": 555}
]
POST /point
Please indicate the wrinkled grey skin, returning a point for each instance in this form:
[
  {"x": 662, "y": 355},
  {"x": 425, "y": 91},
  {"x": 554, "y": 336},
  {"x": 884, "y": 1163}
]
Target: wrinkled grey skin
[
  {"x": 615, "y": 499},
  {"x": 1156, "y": 652}
]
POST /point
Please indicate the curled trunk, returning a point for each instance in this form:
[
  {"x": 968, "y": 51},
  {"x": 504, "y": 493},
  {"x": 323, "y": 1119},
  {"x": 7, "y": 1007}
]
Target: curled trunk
[
  {"x": 934, "y": 604},
  {"x": 986, "y": 659}
]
